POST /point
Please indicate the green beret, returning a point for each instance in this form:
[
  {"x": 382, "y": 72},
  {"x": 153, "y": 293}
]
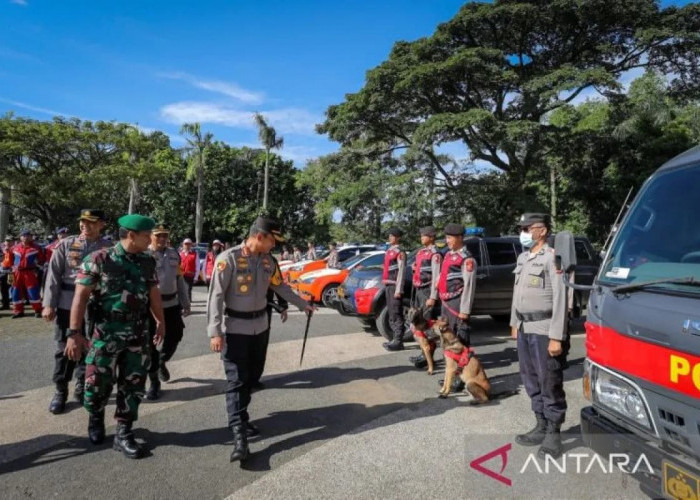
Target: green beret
[{"x": 136, "y": 222}]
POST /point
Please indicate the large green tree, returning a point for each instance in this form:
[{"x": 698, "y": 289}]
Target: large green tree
[
  {"x": 269, "y": 140},
  {"x": 198, "y": 144}
]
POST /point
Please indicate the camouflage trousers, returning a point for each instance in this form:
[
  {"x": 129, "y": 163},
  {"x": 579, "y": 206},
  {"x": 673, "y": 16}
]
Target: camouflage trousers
[{"x": 121, "y": 359}]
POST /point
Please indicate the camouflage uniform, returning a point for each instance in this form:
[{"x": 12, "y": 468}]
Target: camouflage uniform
[{"x": 119, "y": 341}]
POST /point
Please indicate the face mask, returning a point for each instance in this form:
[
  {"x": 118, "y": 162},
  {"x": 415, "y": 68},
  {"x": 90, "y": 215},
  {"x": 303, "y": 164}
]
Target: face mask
[{"x": 526, "y": 240}]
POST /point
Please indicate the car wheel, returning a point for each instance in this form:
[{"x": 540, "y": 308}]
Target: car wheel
[
  {"x": 383, "y": 324},
  {"x": 501, "y": 318},
  {"x": 329, "y": 295}
]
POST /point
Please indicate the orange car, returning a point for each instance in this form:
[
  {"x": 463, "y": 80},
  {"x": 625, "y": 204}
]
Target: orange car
[
  {"x": 302, "y": 267},
  {"x": 322, "y": 285}
]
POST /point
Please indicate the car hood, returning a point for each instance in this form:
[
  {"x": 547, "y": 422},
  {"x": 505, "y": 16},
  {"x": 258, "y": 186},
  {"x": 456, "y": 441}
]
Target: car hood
[
  {"x": 289, "y": 266},
  {"x": 319, "y": 273}
]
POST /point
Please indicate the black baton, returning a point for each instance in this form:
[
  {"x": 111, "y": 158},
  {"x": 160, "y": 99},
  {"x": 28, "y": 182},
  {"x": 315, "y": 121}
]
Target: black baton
[{"x": 306, "y": 334}]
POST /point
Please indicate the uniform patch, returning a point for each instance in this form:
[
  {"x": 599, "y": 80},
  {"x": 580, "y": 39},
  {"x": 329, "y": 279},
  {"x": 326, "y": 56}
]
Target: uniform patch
[
  {"x": 276, "y": 278},
  {"x": 240, "y": 278},
  {"x": 221, "y": 265},
  {"x": 244, "y": 288},
  {"x": 470, "y": 265}
]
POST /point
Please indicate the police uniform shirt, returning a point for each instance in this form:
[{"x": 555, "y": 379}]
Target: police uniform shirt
[
  {"x": 435, "y": 272},
  {"x": 170, "y": 280},
  {"x": 240, "y": 282},
  {"x": 539, "y": 288},
  {"x": 468, "y": 278},
  {"x": 65, "y": 263}
]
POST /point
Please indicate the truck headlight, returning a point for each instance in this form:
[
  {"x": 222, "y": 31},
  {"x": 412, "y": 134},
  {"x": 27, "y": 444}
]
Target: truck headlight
[
  {"x": 373, "y": 283},
  {"x": 614, "y": 393}
]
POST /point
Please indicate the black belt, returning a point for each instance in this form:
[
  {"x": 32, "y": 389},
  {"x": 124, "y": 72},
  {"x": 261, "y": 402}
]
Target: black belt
[
  {"x": 168, "y": 296},
  {"x": 69, "y": 287},
  {"x": 245, "y": 314},
  {"x": 533, "y": 316}
]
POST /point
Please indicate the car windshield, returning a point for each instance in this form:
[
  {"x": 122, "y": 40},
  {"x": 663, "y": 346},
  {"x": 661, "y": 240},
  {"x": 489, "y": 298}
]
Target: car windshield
[
  {"x": 659, "y": 242},
  {"x": 346, "y": 264}
]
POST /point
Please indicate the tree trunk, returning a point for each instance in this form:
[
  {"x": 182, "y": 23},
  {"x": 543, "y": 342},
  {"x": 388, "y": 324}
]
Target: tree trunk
[
  {"x": 267, "y": 176},
  {"x": 198, "y": 223},
  {"x": 5, "y": 194},
  {"x": 553, "y": 193},
  {"x": 133, "y": 195}
]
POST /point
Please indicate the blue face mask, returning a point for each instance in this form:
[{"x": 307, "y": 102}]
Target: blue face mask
[{"x": 526, "y": 240}]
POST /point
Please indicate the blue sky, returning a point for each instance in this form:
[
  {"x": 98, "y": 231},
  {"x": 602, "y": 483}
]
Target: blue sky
[{"x": 160, "y": 63}]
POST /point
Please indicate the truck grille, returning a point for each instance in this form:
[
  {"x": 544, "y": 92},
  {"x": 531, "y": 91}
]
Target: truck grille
[{"x": 671, "y": 418}]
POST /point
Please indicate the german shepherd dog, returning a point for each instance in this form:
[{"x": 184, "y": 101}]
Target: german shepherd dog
[
  {"x": 427, "y": 344},
  {"x": 473, "y": 374}
]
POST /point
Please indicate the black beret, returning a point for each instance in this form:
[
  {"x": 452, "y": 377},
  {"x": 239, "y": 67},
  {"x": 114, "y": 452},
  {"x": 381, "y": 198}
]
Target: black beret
[
  {"x": 529, "y": 219},
  {"x": 427, "y": 231},
  {"x": 454, "y": 229},
  {"x": 395, "y": 231}
]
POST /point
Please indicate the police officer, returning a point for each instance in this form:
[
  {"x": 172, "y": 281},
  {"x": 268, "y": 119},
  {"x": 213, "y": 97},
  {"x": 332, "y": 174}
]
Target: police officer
[
  {"x": 6, "y": 271},
  {"x": 237, "y": 319},
  {"x": 176, "y": 303},
  {"x": 426, "y": 270},
  {"x": 59, "y": 288},
  {"x": 123, "y": 283},
  {"x": 538, "y": 321},
  {"x": 392, "y": 278}
]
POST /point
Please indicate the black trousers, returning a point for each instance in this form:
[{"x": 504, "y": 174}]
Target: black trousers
[
  {"x": 174, "y": 327},
  {"x": 5, "y": 291},
  {"x": 190, "y": 282},
  {"x": 459, "y": 326},
  {"x": 543, "y": 375},
  {"x": 243, "y": 357},
  {"x": 395, "y": 309},
  {"x": 63, "y": 367},
  {"x": 421, "y": 296}
]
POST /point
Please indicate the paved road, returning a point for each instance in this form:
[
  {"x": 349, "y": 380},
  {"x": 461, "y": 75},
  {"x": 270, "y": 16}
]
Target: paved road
[{"x": 355, "y": 422}]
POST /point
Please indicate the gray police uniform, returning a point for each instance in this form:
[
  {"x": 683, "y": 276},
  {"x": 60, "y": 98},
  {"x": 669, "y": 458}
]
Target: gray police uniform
[
  {"x": 59, "y": 289},
  {"x": 237, "y": 308},
  {"x": 174, "y": 293},
  {"x": 539, "y": 314},
  {"x": 457, "y": 287}
]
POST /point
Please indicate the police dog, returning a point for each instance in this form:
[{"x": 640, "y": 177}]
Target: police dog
[
  {"x": 427, "y": 343},
  {"x": 456, "y": 356}
]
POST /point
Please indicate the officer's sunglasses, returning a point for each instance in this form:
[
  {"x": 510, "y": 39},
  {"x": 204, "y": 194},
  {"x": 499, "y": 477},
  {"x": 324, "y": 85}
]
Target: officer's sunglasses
[{"x": 528, "y": 229}]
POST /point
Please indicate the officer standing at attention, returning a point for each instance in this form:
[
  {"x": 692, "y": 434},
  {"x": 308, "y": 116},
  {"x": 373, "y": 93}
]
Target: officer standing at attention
[
  {"x": 237, "y": 319},
  {"x": 392, "y": 277},
  {"x": 123, "y": 283},
  {"x": 176, "y": 303},
  {"x": 538, "y": 321},
  {"x": 66, "y": 258}
]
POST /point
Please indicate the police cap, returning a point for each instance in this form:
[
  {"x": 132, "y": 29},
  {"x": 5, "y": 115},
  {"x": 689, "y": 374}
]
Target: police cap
[
  {"x": 395, "y": 231},
  {"x": 428, "y": 231},
  {"x": 92, "y": 215},
  {"x": 161, "y": 229},
  {"x": 529, "y": 219},
  {"x": 453, "y": 229},
  {"x": 270, "y": 226},
  {"x": 136, "y": 222}
]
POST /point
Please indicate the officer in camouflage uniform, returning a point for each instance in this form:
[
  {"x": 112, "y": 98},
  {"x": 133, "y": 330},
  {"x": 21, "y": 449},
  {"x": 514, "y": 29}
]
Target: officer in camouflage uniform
[
  {"x": 66, "y": 258},
  {"x": 238, "y": 321},
  {"x": 176, "y": 303},
  {"x": 123, "y": 283},
  {"x": 538, "y": 321}
]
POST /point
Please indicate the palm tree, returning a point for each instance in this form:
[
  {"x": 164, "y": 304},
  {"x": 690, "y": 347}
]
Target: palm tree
[
  {"x": 197, "y": 144},
  {"x": 268, "y": 138}
]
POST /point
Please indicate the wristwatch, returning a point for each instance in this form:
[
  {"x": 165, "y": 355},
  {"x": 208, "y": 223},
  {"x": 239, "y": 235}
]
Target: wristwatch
[{"x": 73, "y": 331}]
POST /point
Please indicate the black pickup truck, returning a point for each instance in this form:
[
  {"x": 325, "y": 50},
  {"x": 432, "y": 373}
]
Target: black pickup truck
[{"x": 362, "y": 293}]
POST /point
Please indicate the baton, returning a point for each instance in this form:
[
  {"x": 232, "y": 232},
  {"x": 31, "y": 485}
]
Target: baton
[
  {"x": 306, "y": 334},
  {"x": 276, "y": 307}
]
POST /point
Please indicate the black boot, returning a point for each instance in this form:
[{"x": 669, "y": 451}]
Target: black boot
[
  {"x": 418, "y": 361},
  {"x": 96, "y": 427},
  {"x": 240, "y": 443},
  {"x": 124, "y": 441},
  {"x": 457, "y": 384},
  {"x": 154, "y": 391},
  {"x": 551, "y": 445},
  {"x": 163, "y": 372},
  {"x": 58, "y": 402},
  {"x": 251, "y": 430},
  {"x": 536, "y": 435},
  {"x": 394, "y": 345},
  {"x": 79, "y": 392}
]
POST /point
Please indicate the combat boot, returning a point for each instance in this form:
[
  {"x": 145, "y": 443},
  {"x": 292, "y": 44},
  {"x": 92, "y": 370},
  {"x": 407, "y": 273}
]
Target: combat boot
[
  {"x": 58, "y": 402},
  {"x": 240, "y": 443},
  {"x": 154, "y": 391},
  {"x": 124, "y": 441},
  {"x": 163, "y": 372},
  {"x": 418, "y": 361},
  {"x": 536, "y": 435},
  {"x": 551, "y": 445},
  {"x": 251, "y": 430},
  {"x": 96, "y": 427},
  {"x": 79, "y": 392}
]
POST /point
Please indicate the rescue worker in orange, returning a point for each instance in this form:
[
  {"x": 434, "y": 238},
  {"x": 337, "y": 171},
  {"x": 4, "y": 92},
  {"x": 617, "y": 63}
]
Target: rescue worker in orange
[{"x": 27, "y": 258}]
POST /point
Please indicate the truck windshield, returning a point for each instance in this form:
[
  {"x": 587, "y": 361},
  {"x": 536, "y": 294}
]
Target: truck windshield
[{"x": 658, "y": 246}]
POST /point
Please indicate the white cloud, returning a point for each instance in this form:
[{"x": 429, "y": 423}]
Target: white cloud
[
  {"x": 218, "y": 86},
  {"x": 29, "y": 107},
  {"x": 285, "y": 120}
]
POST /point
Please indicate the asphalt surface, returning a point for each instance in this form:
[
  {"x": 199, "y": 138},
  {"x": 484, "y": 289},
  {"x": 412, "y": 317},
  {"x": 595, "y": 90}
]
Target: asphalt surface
[{"x": 353, "y": 422}]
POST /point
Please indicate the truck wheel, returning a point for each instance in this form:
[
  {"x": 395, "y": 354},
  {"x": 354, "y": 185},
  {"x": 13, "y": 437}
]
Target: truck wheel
[
  {"x": 501, "y": 318},
  {"x": 383, "y": 324},
  {"x": 329, "y": 295}
]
